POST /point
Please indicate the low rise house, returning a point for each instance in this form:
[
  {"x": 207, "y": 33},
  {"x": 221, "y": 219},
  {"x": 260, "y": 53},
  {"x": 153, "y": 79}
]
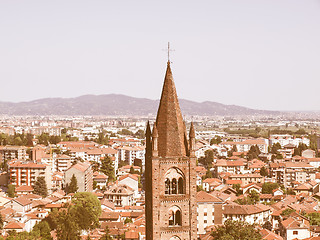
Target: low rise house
[
  {"x": 120, "y": 195},
  {"x": 14, "y": 226},
  {"x": 101, "y": 179},
  {"x": 132, "y": 181},
  {"x": 252, "y": 214},
  {"x": 296, "y": 227},
  {"x": 20, "y": 204},
  {"x": 126, "y": 169},
  {"x": 23, "y": 190},
  {"x": 210, "y": 183}
]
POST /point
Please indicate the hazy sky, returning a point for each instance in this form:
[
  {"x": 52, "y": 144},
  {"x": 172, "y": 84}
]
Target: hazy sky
[{"x": 262, "y": 54}]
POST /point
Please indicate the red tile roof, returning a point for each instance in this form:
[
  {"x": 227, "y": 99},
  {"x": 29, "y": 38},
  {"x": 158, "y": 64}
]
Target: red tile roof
[{"x": 206, "y": 197}]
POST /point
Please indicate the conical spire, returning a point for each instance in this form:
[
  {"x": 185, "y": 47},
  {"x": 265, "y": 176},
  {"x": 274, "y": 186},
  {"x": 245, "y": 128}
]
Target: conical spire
[
  {"x": 148, "y": 130},
  {"x": 155, "y": 131},
  {"x": 148, "y": 141},
  {"x": 170, "y": 125},
  {"x": 192, "y": 133}
]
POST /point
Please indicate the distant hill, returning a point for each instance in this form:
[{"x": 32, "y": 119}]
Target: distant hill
[{"x": 116, "y": 104}]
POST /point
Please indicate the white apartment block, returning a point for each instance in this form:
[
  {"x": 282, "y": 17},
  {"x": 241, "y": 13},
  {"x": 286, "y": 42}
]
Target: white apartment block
[{"x": 285, "y": 139}]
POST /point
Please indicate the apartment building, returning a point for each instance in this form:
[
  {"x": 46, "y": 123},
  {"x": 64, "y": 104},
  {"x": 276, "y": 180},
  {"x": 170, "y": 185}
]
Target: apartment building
[
  {"x": 25, "y": 173},
  {"x": 84, "y": 175},
  {"x": 62, "y": 162},
  {"x": 285, "y": 139},
  {"x": 129, "y": 154},
  {"x": 244, "y": 146},
  {"x": 230, "y": 166},
  {"x": 8, "y": 153},
  {"x": 287, "y": 173},
  {"x": 209, "y": 209},
  {"x": 53, "y": 130},
  {"x": 247, "y": 178},
  {"x": 89, "y": 151}
]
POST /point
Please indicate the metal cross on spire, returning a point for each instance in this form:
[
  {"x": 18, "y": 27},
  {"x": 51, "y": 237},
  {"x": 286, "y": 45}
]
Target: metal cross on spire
[{"x": 169, "y": 50}]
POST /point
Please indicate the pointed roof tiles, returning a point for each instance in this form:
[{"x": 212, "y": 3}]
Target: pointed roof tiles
[{"x": 170, "y": 125}]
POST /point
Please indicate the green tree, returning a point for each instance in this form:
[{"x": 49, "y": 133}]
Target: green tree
[
  {"x": 106, "y": 235},
  {"x": 73, "y": 186},
  {"x": 127, "y": 220},
  {"x": 140, "y": 134},
  {"x": 208, "y": 159},
  {"x": 301, "y": 131},
  {"x": 275, "y": 147},
  {"x": 314, "y": 143},
  {"x": 199, "y": 188},
  {"x": 237, "y": 187},
  {"x": 290, "y": 191},
  {"x": 125, "y": 131},
  {"x": 95, "y": 185},
  {"x": 253, "y": 152},
  {"x": 236, "y": 230},
  {"x": 52, "y": 219},
  {"x": 298, "y": 151},
  {"x": 43, "y": 230},
  {"x": 11, "y": 191},
  {"x": 208, "y": 175},
  {"x": 107, "y": 168},
  {"x": 234, "y": 149},
  {"x": 268, "y": 187},
  {"x": 287, "y": 212},
  {"x": 102, "y": 138},
  {"x": 40, "y": 187},
  {"x": 263, "y": 172},
  {"x": 254, "y": 196},
  {"x": 44, "y": 139},
  {"x": 86, "y": 209},
  {"x": 67, "y": 228},
  {"x": 314, "y": 218},
  {"x": 215, "y": 140}
]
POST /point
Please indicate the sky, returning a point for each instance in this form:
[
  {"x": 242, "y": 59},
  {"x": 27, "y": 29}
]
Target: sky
[{"x": 262, "y": 54}]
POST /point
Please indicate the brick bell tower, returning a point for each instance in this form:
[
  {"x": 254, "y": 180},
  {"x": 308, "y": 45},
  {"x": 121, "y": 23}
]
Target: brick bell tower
[{"x": 171, "y": 210}]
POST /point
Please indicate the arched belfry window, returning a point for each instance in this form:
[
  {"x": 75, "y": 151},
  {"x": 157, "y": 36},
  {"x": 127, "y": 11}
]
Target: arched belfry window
[
  {"x": 167, "y": 186},
  {"x": 175, "y": 216},
  {"x": 178, "y": 218},
  {"x": 174, "y": 186},
  {"x": 175, "y": 238},
  {"x": 175, "y": 181}
]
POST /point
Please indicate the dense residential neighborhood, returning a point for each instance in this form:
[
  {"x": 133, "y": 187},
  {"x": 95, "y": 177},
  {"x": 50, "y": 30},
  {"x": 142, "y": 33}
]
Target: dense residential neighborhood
[{"x": 270, "y": 180}]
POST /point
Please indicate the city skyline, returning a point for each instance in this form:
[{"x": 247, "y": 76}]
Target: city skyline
[{"x": 258, "y": 55}]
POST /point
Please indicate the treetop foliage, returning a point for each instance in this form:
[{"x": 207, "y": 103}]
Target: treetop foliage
[
  {"x": 235, "y": 230},
  {"x": 40, "y": 187}
]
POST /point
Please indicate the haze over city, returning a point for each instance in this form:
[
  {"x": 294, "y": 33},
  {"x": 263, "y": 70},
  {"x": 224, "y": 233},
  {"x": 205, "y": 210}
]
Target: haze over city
[{"x": 257, "y": 54}]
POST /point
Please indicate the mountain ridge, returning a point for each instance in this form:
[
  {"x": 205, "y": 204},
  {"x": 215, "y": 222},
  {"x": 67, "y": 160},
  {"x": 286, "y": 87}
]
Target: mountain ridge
[{"x": 120, "y": 104}]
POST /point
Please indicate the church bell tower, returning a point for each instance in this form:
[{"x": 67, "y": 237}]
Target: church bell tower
[{"x": 171, "y": 210}]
